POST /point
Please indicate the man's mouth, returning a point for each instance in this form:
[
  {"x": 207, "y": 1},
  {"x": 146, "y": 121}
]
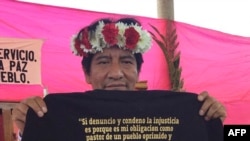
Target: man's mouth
[{"x": 115, "y": 87}]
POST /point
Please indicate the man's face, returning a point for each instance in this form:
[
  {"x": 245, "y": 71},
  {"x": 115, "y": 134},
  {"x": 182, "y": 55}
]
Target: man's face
[{"x": 113, "y": 69}]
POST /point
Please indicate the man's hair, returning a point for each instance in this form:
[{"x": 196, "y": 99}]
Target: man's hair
[{"x": 86, "y": 60}]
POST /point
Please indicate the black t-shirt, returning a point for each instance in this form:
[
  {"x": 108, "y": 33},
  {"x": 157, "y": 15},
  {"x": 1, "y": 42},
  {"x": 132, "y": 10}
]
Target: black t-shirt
[{"x": 101, "y": 115}]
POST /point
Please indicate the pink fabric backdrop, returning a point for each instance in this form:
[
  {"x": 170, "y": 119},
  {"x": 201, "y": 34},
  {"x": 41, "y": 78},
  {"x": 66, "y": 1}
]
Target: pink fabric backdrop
[
  {"x": 211, "y": 60},
  {"x": 219, "y": 63},
  {"x": 61, "y": 70}
]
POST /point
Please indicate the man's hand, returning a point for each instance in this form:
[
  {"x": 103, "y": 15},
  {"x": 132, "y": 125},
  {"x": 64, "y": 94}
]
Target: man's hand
[
  {"x": 20, "y": 111},
  {"x": 211, "y": 108}
]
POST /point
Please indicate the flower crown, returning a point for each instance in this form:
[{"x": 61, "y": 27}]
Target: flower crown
[{"x": 128, "y": 37}]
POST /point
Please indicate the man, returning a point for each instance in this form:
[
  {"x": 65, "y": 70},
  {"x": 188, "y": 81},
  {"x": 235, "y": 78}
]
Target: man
[{"x": 112, "y": 59}]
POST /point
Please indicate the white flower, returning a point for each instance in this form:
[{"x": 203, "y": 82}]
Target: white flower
[
  {"x": 72, "y": 44},
  {"x": 144, "y": 42},
  {"x": 121, "y": 39}
]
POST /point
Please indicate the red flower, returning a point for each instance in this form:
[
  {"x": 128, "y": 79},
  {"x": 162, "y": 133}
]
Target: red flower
[
  {"x": 132, "y": 37},
  {"x": 78, "y": 48},
  {"x": 85, "y": 39},
  {"x": 110, "y": 32}
]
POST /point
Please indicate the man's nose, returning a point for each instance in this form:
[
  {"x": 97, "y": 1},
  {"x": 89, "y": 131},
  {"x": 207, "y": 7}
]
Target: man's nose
[{"x": 115, "y": 72}]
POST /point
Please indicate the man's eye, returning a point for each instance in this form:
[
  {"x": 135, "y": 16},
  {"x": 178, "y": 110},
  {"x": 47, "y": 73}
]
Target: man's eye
[
  {"x": 103, "y": 62},
  {"x": 127, "y": 62}
]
